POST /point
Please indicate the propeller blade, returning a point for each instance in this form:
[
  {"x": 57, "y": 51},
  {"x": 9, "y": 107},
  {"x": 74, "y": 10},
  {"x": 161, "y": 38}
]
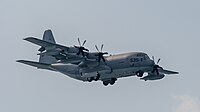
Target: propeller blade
[
  {"x": 105, "y": 53},
  {"x": 84, "y": 43},
  {"x": 99, "y": 56},
  {"x": 76, "y": 47},
  {"x": 101, "y": 47},
  {"x": 158, "y": 61},
  {"x": 86, "y": 50},
  {"x": 79, "y": 42},
  {"x": 97, "y": 48},
  {"x": 153, "y": 58},
  {"x": 103, "y": 59},
  {"x": 78, "y": 52},
  {"x": 155, "y": 68},
  {"x": 82, "y": 53},
  {"x": 157, "y": 71}
]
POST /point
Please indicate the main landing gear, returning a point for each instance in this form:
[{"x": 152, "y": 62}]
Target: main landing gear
[
  {"x": 111, "y": 82},
  {"x": 90, "y": 79}
]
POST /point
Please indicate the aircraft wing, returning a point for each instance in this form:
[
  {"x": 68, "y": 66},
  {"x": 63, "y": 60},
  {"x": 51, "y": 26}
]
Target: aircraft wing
[
  {"x": 45, "y": 43},
  {"x": 88, "y": 63},
  {"x": 167, "y": 71},
  {"x": 36, "y": 64},
  {"x": 91, "y": 65}
]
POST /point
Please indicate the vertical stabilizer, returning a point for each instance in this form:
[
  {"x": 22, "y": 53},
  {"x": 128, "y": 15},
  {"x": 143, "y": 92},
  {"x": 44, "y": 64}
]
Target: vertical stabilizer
[
  {"x": 48, "y": 36},
  {"x": 44, "y": 58}
]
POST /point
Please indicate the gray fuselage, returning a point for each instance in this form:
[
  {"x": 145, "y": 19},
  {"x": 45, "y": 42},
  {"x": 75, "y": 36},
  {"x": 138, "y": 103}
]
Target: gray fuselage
[{"x": 116, "y": 66}]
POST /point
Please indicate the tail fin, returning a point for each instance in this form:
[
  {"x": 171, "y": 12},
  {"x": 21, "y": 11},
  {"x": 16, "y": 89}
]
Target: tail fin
[{"x": 47, "y": 36}]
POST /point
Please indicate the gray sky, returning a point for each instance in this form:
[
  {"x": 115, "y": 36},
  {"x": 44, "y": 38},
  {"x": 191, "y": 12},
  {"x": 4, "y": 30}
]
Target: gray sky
[{"x": 166, "y": 29}]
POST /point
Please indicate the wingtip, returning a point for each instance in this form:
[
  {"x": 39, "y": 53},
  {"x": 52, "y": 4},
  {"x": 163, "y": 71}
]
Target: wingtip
[
  {"x": 19, "y": 61},
  {"x": 22, "y": 61},
  {"x": 28, "y": 38},
  {"x": 176, "y": 73}
]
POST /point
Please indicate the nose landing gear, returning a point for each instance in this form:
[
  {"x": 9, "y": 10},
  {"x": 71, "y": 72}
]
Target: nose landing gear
[{"x": 90, "y": 79}]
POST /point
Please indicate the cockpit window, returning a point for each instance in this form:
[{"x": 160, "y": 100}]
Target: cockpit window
[
  {"x": 146, "y": 57},
  {"x": 141, "y": 55}
]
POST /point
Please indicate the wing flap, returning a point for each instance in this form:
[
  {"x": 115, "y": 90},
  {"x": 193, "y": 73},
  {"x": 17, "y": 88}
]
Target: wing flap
[{"x": 88, "y": 63}]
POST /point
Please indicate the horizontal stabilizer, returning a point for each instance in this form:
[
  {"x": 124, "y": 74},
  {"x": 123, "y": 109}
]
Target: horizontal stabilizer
[
  {"x": 44, "y": 43},
  {"x": 39, "y": 42},
  {"x": 48, "y": 36},
  {"x": 36, "y": 64}
]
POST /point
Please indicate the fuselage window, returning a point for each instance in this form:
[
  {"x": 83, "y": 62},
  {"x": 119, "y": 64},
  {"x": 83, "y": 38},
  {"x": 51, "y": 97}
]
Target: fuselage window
[
  {"x": 135, "y": 60},
  {"x": 146, "y": 57}
]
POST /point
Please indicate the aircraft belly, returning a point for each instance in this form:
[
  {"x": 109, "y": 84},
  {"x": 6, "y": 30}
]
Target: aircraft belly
[
  {"x": 73, "y": 72},
  {"x": 116, "y": 73},
  {"x": 129, "y": 71}
]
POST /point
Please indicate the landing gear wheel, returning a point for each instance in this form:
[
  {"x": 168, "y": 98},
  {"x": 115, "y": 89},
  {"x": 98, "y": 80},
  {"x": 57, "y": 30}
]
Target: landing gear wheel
[
  {"x": 97, "y": 78},
  {"x": 140, "y": 74},
  {"x": 112, "y": 81},
  {"x": 90, "y": 79},
  {"x": 105, "y": 83}
]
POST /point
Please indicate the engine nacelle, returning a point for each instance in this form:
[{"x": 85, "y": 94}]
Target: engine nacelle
[
  {"x": 153, "y": 77},
  {"x": 93, "y": 55}
]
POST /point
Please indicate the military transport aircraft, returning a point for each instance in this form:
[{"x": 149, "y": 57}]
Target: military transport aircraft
[{"x": 78, "y": 63}]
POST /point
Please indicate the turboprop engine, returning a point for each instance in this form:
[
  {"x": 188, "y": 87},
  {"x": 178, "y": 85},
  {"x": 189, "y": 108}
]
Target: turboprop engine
[{"x": 152, "y": 76}]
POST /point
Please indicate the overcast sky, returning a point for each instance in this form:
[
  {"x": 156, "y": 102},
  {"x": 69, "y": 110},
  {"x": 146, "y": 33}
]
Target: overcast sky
[{"x": 168, "y": 29}]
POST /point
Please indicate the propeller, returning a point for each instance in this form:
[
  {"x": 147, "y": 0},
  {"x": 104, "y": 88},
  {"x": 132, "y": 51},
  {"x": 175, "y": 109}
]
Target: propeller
[
  {"x": 80, "y": 48},
  {"x": 41, "y": 49},
  {"x": 156, "y": 66},
  {"x": 100, "y": 54}
]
